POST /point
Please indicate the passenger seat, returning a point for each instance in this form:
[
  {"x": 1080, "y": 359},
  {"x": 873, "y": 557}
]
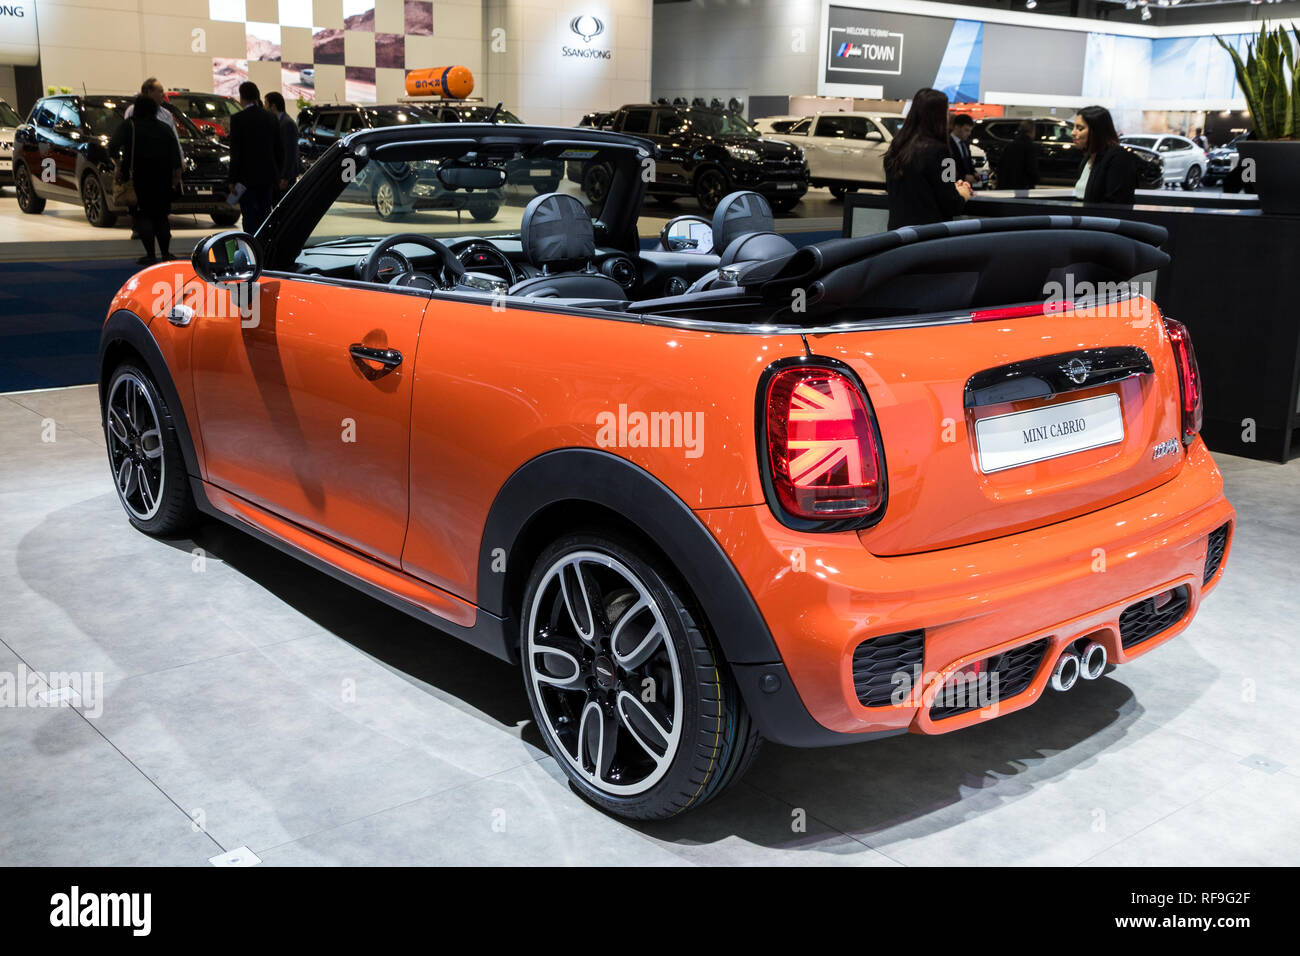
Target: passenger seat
[{"x": 744, "y": 230}]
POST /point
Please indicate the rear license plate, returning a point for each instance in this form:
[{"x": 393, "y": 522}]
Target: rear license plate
[
  {"x": 541, "y": 173},
  {"x": 1021, "y": 438}
]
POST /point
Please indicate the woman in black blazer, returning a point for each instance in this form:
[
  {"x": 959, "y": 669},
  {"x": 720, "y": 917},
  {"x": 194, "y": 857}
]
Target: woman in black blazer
[
  {"x": 920, "y": 172},
  {"x": 1109, "y": 173}
]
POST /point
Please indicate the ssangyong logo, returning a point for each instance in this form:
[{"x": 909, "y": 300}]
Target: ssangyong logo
[{"x": 587, "y": 27}]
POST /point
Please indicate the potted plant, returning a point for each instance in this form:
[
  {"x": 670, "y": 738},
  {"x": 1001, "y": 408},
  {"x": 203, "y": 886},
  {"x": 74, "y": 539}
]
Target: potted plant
[{"x": 1271, "y": 84}]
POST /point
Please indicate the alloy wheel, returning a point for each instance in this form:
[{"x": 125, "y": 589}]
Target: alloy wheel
[
  {"x": 604, "y": 673},
  {"x": 135, "y": 450},
  {"x": 596, "y": 184},
  {"x": 92, "y": 196},
  {"x": 711, "y": 188},
  {"x": 385, "y": 201}
]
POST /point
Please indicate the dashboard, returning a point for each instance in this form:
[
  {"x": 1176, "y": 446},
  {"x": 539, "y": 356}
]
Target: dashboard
[{"x": 652, "y": 274}]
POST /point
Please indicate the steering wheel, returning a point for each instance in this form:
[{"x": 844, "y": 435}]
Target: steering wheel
[{"x": 370, "y": 268}]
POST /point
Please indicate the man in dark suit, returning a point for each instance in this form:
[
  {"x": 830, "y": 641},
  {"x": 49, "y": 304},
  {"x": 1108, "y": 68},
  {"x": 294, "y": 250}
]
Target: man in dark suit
[
  {"x": 256, "y": 156},
  {"x": 962, "y": 126},
  {"x": 288, "y": 142}
]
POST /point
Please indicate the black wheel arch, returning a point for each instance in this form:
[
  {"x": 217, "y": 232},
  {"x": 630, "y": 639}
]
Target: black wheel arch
[
  {"x": 585, "y": 484},
  {"x": 126, "y": 336}
]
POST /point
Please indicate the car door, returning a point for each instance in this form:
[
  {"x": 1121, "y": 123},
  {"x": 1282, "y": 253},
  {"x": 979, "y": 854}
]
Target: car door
[
  {"x": 1058, "y": 158},
  {"x": 36, "y": 147},
  {"x": 871, "y": 162},
  {"x": 1175, "y": 155},
  {"x": 672, "y": 137},
  {"x": 294, "y": 415},
  {"x": 828, "y": 147},
  {"x": 62, "y": 143}
]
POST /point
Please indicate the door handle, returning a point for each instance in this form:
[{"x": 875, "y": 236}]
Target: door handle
[{"x": 388, "y": 358}]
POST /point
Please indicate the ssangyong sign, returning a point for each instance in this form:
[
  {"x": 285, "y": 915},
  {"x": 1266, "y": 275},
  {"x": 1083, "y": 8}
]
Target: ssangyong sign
[
  {"x": 586, "y": 27},
  {"x": 19, "y": 44}
]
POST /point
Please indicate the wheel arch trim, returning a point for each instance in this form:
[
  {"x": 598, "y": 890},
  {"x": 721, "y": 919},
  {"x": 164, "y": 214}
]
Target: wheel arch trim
[{"x": 125, "y": 327}]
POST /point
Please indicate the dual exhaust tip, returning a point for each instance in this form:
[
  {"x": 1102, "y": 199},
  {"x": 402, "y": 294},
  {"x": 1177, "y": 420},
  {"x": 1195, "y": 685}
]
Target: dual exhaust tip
[{"x": 1088, "y": 664}]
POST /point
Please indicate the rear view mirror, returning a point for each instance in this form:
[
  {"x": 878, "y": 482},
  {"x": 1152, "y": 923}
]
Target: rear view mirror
[
  {"x": 456, "y": 175},
  {"x": 227, "y": 259},
  {"x": 687, "y": 234}
]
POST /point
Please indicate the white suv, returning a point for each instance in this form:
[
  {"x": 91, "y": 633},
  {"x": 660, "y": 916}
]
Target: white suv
[
  {"x": 9, "y": 123},
  {"x": 1185, "y": 162},
  {"x": 846, "y": 150}
]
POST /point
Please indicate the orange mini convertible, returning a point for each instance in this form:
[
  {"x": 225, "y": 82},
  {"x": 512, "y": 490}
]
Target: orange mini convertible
[{"x": 704, "y": 494}]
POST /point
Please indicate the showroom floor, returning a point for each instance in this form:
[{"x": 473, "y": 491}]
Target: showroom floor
[{"x": 250, "y": 702}]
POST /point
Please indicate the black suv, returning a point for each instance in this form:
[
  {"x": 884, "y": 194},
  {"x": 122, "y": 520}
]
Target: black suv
[
  {"x": 1059, "y": 159},
  {"x": 61, "y": 153},
  {"x": 319, "y": 127},
  {"x": 706, "y": 153}
]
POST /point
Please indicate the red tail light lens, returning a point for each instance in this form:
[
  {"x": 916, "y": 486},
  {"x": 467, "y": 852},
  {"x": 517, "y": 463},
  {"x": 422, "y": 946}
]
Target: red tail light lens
[
  {"x": 1189, "y": 378},
  {"x": 823, "y": 448}
]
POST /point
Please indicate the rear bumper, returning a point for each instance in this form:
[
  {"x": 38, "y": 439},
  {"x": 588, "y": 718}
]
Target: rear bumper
[{"x": 822, "y": 596}]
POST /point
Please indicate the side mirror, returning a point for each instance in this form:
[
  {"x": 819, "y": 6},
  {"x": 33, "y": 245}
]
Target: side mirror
[
  {"x": 687, "y": 234},
  {"x": 227, "y": 259},
  {"x": 875, "y": 136}
]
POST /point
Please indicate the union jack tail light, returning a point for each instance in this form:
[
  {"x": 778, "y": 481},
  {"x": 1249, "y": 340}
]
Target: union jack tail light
[{"x": 824, "y": 459}]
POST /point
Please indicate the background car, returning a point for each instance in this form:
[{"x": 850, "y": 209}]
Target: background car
[
  {"x": 1058, "y": 158},
  {"x": 1185, "y": 163},
  {"x": 62, "y": 154},
  {"x": 706, "y": 153},
  {"x": 208, "y": 111},
  {"x": 1221, "y": 160},
  {"x": 777, "y": 124},
  {"x": 846, "y": 150},
  {"x": 319, "y": 127},
  {"x": 596, "y": 120},
  {"x": 395, "y": 189},
  {"x": 9, "y": 123}
]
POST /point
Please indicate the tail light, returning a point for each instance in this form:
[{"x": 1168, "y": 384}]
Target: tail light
[
  {"x": 822, "y": 447},
  {"x": 1189, "y": 378}
]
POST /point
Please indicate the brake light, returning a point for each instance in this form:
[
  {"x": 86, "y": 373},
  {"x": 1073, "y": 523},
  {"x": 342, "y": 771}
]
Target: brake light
[
  {"x": 1050, "y": 307},
  {"x": 1189, "y": 378},
  {"x": 823, "y": 449}
]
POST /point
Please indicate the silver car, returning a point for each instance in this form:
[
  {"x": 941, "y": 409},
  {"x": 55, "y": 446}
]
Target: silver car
[
  {"x": 1185, "y": 162},
  {"x": 9, "y": 122}
]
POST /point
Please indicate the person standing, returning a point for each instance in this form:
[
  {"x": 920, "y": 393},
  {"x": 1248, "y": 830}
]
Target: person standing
[
  {"x": 288, "y": 143},
  {"x": 153, "y": 89},
  {"x": 1200, "y": 139},
  {"x": 1018, "y": 164},
  {"x": 920, "y": 172},
  {"x": 963, "y": 124},
  {"x": 1109, "y": 171},
  {"x": 256, "y": 156},
  {"x": 151, "y": 159}
]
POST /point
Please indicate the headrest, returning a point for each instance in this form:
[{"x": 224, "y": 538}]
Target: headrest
[
  {"x": 556, "y": 228},
  {"x": 740, "y": 213}
]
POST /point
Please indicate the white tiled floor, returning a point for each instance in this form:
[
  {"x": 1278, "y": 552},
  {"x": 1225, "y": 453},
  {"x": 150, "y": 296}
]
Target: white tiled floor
[{"x": 250, "y": 701}]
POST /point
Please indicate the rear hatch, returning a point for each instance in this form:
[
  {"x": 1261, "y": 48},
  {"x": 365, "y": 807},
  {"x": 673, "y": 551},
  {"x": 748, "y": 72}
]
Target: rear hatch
[{"x": 986, "y": 431}]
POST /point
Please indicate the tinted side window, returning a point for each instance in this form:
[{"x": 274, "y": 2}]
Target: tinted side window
[
  {"x": 326, "y": 126},
  {"x": 69, "y": 114},
  {"x": 666, "y": 122},
  {"x": 636, "y": 121},
  {"x": 43, "y": 113},
  {"x": 857, "y": 126},
  {"x": 1054, "y": 133},
  {"x": 1001, "y": 130},
  {"x": 833, "y": 126},
  {"x": 350, "y": 122}
]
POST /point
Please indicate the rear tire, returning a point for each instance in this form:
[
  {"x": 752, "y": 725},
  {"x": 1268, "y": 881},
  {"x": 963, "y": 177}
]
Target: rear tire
[
  {"x": 223, "y": 218},
  {"x": 839, "y": 191},
  {"x": 711, "y": 187},
  {"x": 28, "y": 201},
  {"x": 388, "y": 201},
  {"x": 632, "y": 699},
  {"x": 1193, "y": 178},
  {"x": 144, "y": 455},
  {"x": 485, "y": 211}
]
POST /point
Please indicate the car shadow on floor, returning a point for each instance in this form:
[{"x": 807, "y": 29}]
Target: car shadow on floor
[
  {"x": 922, "y": 784},
  {"x": 874, "y": 785}
]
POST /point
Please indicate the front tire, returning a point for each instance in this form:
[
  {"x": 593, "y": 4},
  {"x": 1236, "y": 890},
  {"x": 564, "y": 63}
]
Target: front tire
[
  {"x": 95, "y": 202},
  {"x": 634, "y": 703},
  {"x": 711, "y": 187},
  {"x": 388, "y": 204},
  {"x": 1193, "y": 178},
  {"x": 144, "y": 455},
  {"x": 28, "y": 201}
]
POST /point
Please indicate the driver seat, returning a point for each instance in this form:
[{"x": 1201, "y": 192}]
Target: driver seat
[
  {"x": 744, "y": 230},
  {"x": 558, "y": 238}
]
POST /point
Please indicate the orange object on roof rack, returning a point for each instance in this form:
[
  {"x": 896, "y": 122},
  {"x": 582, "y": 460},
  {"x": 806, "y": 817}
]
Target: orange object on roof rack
[{"x": 453, "y": 82}]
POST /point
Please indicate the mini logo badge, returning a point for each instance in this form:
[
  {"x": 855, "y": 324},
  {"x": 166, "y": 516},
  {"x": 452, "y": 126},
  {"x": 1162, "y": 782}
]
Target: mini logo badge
[
  {"x": 1164, "y": 448},
  {"x": 1076, "y": 370},
  {"x": 587, "y": 27}
]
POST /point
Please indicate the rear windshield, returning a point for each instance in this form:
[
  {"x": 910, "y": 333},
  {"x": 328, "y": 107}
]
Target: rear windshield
[{"x": 480, "y": 114}]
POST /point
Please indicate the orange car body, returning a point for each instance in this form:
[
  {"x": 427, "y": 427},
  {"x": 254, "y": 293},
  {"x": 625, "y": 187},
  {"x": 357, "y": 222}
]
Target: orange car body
[{"x": 424, "y": 486}]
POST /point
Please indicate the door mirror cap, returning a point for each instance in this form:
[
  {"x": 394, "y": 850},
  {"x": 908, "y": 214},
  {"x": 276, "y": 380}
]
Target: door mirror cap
[
  {"x": 228, "y": 259},
  {"x": 692, "y": 234}
]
